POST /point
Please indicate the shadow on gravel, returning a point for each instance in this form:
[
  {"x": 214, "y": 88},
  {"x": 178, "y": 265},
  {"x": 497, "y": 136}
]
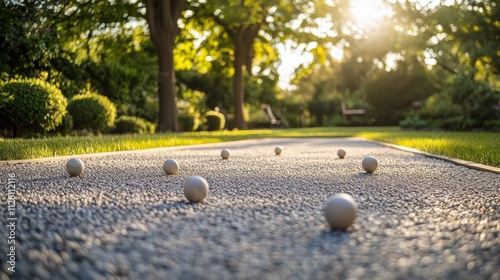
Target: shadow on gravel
[
  {"x": 331, "y": 238},
  {"x": 365, "y": 175}
]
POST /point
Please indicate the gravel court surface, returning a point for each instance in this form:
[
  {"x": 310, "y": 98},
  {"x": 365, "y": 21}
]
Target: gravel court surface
[{"x": 418, "y": 218}]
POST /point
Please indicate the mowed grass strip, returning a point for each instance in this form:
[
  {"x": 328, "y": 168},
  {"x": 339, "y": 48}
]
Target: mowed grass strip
[
  {"x": 480, "y": 147},
  {"x": 12, "y": 149}
]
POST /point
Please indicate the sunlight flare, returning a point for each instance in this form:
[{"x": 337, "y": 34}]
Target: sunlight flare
[{"x": 365, "y": 14}]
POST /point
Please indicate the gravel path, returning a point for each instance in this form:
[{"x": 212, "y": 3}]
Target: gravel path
[{"x": 419, "y": 218}]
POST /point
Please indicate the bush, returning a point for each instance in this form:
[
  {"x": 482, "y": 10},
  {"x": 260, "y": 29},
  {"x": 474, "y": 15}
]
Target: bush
[
  {"x": 92, "y": 111},
  {"x": 66, "y": 125},
  {"x": 31, "y": 103},
  {"x": 476, "y": 99},
  {"x": 492, "y": 124},
  {"x": 129, "y": 124},
  {"x": 188, "y": 121},
  {"x": 214, "y": 121},
  {"x": 149, "y": 111},
  {"x": 413, "y": 121}
]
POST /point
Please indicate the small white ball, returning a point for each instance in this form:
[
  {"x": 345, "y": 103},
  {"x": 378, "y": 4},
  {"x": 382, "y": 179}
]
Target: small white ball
[
  {"x": 278, "y": 150},
  {"x": 196, "y": 189},
  {"x": 369, "y": 164},
  {"x": 170, "y": 166},
  {"x": 340, "y": 211},
  {"x": 225, "y": 154},
  {"x": 341, "y": 153},
  {"x": 75, "y": 167}
]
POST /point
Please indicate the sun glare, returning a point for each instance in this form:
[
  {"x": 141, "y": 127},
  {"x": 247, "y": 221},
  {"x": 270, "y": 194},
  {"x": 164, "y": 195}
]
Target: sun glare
[{"x": 366, "y": 13}]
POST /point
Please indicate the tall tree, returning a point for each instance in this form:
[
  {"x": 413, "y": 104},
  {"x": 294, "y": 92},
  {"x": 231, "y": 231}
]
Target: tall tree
[
  {"x": 242, "y": 23},
  {"x": 272, "y": 21},
  {"x": 162, "y": 17}
]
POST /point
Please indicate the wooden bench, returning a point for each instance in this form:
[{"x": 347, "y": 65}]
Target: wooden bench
[{"x": 349, "y": 112}]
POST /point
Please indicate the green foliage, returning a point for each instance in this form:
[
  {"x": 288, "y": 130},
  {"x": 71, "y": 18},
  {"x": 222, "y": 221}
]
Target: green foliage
[
  {"x": 130, "y": 124},
  {"x": 125, "y": 70},
  {"x": 77, "y": 43},
  {"x": 466, "y": 104},
  {"x": 493, "y": 125},
  {"x": 477, "y": 100},
  {"x": 214, "y": 84},
  {"x": 214, "y": 121},
  {"x": 413, "y": 121},
  {"x": 471, "y": 29},
  {"x": 260, "y": 89},
  {"x": 294, "y": 113},
  {"x": 251, "y": 27},
  {"x": 27, "y": 41},
  {"x": 391, "y": 93},
  {"x": 190, "y": 104},
  {"x": 439, "y": 106},
  {"x": 92, "y": 111},
  {"x": 189, "y": 121},
  {"x": 324, "y": 105},
  {"x": 66, "y": 126},
  {"x": 31, "y": 103},
  {"x": 437, "y": 112},
  {"x": 149, "y": 111}
]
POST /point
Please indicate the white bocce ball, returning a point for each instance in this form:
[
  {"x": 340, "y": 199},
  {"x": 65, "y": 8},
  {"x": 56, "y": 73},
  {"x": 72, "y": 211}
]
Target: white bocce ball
[
  {"x": 340, "y": 211},
  {"x": 369, "y": 164},
  {"x": 170, "y": 166},
  {"x": 195, "y": 189},
  {"x": 341, "y": 153},
  {"x": 278, "y": 150},
  {"x": 225, "y": 154},
  {"x": 75, "y": 167}
]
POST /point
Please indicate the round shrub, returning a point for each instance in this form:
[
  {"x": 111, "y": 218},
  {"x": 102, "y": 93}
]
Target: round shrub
[
  {"x": 92, "y": 111},
  {"x": 32, "y": 103},
  {"x": 214, "y": 120},
  {"x": 129, "y": 124},
  {"x": 188, "y": 122}
]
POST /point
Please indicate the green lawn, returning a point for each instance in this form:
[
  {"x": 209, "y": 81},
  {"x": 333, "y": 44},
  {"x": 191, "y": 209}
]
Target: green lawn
[{"x": 480, "y": 147}]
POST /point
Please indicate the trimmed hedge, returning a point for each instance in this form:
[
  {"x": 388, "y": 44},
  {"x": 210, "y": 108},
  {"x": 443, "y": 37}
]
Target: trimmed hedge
[
  {"x": 32, "y": 103},
  {"x": 92, "y": 111},
  {"x": 130, "y": 124},
  {"x": 214, "y": 121}
]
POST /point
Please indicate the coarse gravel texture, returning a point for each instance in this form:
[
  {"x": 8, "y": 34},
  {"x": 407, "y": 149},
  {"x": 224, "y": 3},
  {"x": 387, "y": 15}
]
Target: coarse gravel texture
[{"x": 418, "y": 217}]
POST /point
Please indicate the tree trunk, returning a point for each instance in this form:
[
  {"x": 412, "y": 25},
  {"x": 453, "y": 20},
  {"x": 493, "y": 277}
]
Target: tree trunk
[
  {"x": 239, "y": 99},
  {"x": 162, "y": 19},
  {"x": 167, "y": 119},
  {"x": 243, "y": 38}
]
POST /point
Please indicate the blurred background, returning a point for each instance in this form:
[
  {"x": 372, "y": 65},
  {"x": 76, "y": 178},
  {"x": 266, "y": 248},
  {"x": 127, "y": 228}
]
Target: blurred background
[{"x": 190, "y": 65}]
